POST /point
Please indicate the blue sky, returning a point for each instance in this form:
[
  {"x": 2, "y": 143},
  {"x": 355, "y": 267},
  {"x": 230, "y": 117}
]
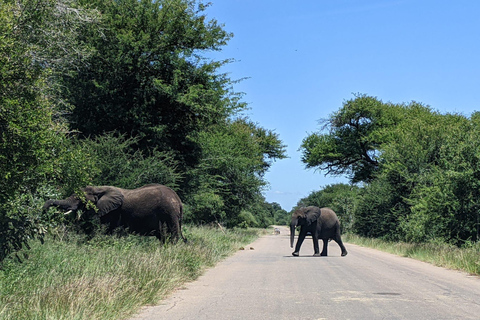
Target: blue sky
[{"x": 304, "y": 58}]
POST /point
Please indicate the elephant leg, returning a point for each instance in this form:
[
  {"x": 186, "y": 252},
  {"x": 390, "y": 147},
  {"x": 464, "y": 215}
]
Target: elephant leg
[
  {"x": 173, "y": 229},
  {"x": 180, "y": 231},
  {"x": 325, "y": 245},
  {"x": 301, "y": 237},
  {"x": 161, "y": 232},
  {"x": 338, "y": 240},
  {"x": 315, "y": 245}
]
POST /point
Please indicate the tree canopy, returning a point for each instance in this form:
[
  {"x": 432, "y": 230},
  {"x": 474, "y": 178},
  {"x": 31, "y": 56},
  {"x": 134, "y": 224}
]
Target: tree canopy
[
  {"x": 419, "y": 169},
  {"x": 351, "y": 140},
  {"x": 122, "y": 93},
  {"x": 148, "y": 78}
]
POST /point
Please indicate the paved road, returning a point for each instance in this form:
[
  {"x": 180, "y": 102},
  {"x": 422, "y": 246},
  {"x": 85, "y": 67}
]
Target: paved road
[{"x": 269, "y": 283}]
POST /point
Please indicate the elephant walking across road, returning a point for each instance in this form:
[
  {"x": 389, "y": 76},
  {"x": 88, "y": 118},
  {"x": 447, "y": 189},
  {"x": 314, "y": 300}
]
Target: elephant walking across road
[
  {"x": 322, "y": 223},
  {"x": 148, "y": 210}
]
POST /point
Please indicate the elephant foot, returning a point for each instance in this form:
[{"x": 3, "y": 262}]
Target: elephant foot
[
  {"x": 295, "y": 254},
  {"x": 344, "y": 253}
]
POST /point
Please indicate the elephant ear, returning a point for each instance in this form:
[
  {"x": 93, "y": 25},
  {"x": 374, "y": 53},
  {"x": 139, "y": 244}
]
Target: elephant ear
[
  {"x": 312, "y": 214},
  {"x": 109, "y": 200}
]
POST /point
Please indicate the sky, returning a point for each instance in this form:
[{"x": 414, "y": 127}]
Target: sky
[{"x": 302, "y": 59}]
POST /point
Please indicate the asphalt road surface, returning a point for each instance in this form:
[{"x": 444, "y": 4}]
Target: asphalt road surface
[{"x": 267, "y": 282}]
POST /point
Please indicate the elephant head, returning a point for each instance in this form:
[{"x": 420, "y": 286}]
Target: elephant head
[
  {"x": 106, "y": 199},
  {"x": 303, "y": 217}
]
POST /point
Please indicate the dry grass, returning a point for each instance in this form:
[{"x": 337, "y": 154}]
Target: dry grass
[
  {"x": 440, "y": 254},
  {"x": 107, "y": 277}
]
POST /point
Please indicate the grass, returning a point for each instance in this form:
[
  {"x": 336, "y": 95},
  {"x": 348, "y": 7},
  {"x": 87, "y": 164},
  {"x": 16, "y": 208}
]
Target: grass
[
  {"x": 108, "y": 277},
  {"x": 440, "y": 254}
]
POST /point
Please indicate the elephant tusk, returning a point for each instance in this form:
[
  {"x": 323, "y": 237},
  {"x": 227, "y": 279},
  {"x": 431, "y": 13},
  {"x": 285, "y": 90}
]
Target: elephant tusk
[{"x": 68, "y": 212}]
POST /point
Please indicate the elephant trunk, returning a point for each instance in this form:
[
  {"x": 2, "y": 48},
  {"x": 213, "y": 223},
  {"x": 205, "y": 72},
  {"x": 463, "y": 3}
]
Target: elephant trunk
[
  {"x": 47, "y": 205},
  {"x": 62, "y": 204},
  {"x": 293, "y": 225}
]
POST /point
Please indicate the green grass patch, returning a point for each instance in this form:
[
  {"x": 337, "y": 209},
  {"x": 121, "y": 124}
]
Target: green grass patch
[
  {"x": 108, "y": 277},
  {"x": 440, "y": 254}
]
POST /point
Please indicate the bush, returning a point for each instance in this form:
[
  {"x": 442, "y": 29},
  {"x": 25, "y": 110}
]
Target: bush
[{"x": 120, "y": 164}]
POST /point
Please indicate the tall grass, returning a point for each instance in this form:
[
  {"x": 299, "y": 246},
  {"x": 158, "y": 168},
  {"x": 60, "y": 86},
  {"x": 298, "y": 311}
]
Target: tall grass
[
  {"x": 440, "y": 254},
  {"x": 108, "y": 277}
]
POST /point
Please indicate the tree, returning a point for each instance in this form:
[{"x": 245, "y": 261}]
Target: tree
[
  {"x": 148, "y": 79},
  {"x": 354, "y": 139},
  {"x": 439, "y": 171},
  {"x": 229, "y": 178},
  {"x": 419, "y": 168},
  {"x": 38, "y": 42}
]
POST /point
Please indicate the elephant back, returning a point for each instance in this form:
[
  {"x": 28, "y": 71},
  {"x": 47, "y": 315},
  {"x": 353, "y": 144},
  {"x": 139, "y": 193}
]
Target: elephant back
[
  {"x": 155, "y": 197},
  {"x": 328, "y": 218}
]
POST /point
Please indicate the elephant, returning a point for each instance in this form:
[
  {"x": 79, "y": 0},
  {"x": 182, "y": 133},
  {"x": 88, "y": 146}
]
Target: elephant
[
  {"x": 322, "y": 223},
  {"x": 147, "y": 210}
]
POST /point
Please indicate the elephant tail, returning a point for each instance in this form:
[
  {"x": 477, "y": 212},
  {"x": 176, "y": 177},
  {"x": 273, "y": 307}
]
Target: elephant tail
[{"x": 180, "y": 225}]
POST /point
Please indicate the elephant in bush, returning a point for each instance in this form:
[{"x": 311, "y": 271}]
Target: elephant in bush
[
  {"x": 148, "y": 210},
  {"x": 321, "y": 223}
]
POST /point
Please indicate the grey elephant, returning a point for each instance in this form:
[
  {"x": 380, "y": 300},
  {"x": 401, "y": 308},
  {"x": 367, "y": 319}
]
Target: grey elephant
[
  {"x": 148, "y": 210},
  {"x": 322, "y": 223}
]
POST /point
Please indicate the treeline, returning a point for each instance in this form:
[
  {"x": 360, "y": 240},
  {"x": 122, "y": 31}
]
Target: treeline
[
  {"x": 99, "y": 92},
  {"x": 415, "y": 172}
]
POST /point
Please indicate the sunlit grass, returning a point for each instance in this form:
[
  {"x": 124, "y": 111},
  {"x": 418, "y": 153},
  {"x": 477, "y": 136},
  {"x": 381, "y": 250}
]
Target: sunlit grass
[
  {"x": 440, "y": 254},
  {"x": 108, "y": 277}
]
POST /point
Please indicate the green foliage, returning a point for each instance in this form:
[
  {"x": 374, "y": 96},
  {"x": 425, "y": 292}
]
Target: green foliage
[
  {"x": 148, "y": 82},
  {"x": 280, "y": 216},
  {"x": 108, "y": 277},
  {"x": 377, "y": 211},
  {"x": 119, "y": 164},
  {"x": 246, "y": 219},
  {"x": 444, "y": 199},
  {"x": 230, "y": 174},
  {"x": 147, "y": 78},
  {"x": 341, "y": 198},
  {"x": 351, "y": 145},
  {"x": 424, "y": 185},
  {"x": 97, "y": 92},
  {"x": 37, "y": 41}
]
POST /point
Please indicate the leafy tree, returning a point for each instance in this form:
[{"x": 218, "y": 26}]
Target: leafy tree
[
  {"x": 420, "y": 169},
  {"x": 148, "y": 82},
  {"x": 38, "y": 41},
  {"x": 280, "y": 215},
  {"x": 444, "y": 180},
  {"x": 229, "y": 178},
  {"x": 147, "y": 78},
  {"x": 118, "y": 165},
  {"x": 349, "y": 147},
  {"x": 410, "y": 151},
  {"x": 377, "y": 211},
  {"x": 356, "y": 133}
]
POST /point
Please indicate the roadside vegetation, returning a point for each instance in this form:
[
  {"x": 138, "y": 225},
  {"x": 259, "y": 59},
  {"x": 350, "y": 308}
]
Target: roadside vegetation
[
  {"x": 414, "y": 172},
  {"x": 414, "y": 179},
  {"x": 440, "y": 254},
  {"x": 122, "y": 93},
  {"x": 106, "y": 277}
]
